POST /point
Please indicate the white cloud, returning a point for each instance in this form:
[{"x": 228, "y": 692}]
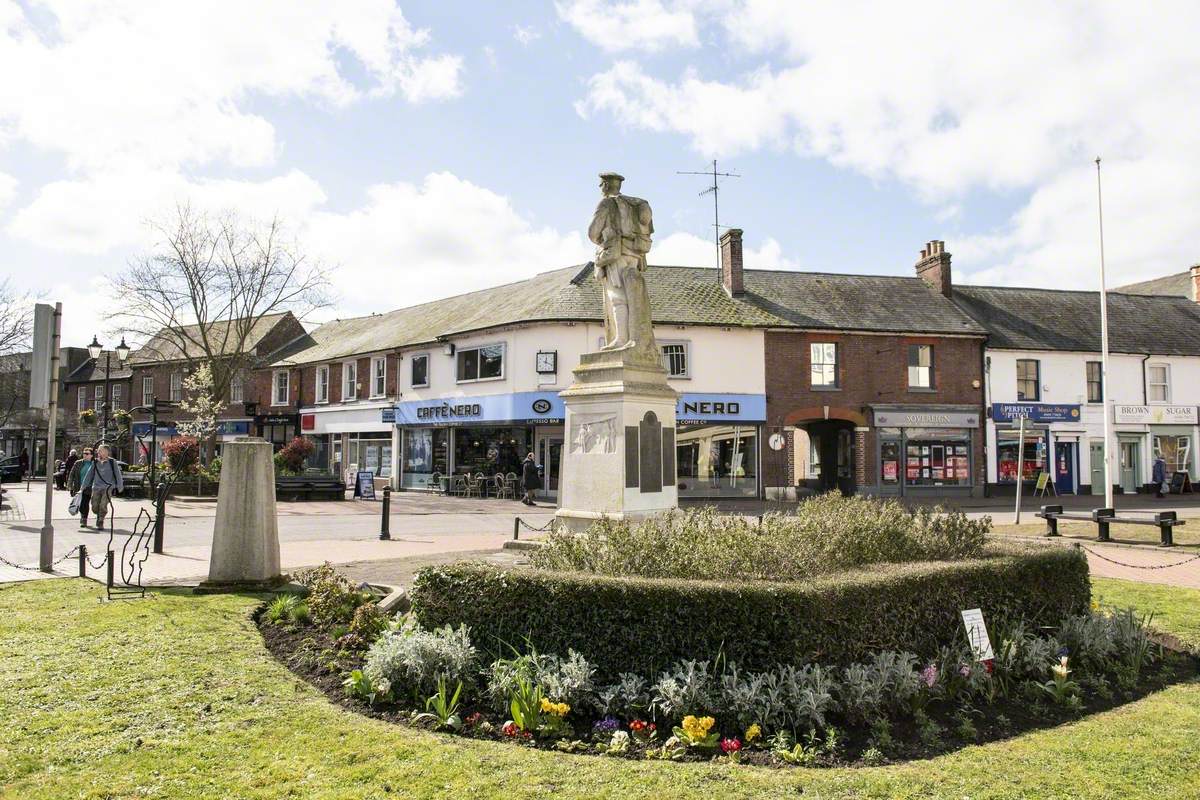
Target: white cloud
[
  {"x": 689, "y": 250},
  {"x": 1014, "y": 100},
  {"x": 645, "y": 25},
  {"x": 526, "y": 35},
  {"x": 163, "y": 84},
  {"x": 8, "y": 190},
  {"x": 412, "y": 243}
]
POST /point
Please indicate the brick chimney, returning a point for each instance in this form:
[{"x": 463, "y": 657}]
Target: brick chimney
[
  {"x": 1195, "y": 284},
  {"x": 731, "y": 262},
  {"x": 933, "y": 267}
]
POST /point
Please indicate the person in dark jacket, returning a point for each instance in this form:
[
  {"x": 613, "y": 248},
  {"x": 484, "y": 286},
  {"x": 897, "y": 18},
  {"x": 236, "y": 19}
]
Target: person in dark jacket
[
  {"x": 1159, "y": 476},
  {"x": 23, "y": 461},
  {"x": 530, "y": 480},
  {"x": 72, "y": 457},
  {"x": 80, "y": 471},
  {"x": 105, "y": 480}
]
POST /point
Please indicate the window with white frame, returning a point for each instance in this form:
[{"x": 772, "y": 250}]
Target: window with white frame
[
  {"x": 920, "y": 366},
  {"x": 378, "y": 376},
  {"x": 322, "y": 384},
  {"x": 98, "y": 394},
  {"x": 350, "y": 380},
  {"x": 1029, "y": 379},
  {"x": 237, "y": 388},
  {"x": 82, "y": 402},
  {"x": 420, "y": 371},
  {"x": 823, "y": 366},
  {"x": 147, "y": 390},
  {"x": 176, "y": 387},
  {"x": 118, "y": 396},
  {"x": 675, "y": 358},
  {"x": 1159, "y": 383},
  {"x": 483, "y": 363},
  {"x": 281, "y": 387}
]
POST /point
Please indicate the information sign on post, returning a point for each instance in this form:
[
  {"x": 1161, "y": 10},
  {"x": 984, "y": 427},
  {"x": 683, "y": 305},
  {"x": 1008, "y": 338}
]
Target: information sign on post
[{"x": 977, "y": 635}]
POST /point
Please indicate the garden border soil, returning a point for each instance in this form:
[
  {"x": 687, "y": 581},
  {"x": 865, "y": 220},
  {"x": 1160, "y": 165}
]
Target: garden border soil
[{"x": 310, "y": 654}]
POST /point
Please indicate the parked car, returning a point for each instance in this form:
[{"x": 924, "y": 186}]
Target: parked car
[{"x": 10, "y": 469}]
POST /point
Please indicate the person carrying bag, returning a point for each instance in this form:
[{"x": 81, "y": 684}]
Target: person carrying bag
[
  {"x": 104, "y": 480},
  {"x": 81, "y": 498}
]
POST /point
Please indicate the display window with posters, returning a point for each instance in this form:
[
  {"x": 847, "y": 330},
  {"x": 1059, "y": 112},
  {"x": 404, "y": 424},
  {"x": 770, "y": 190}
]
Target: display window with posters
[{"x": 1008, "y": 450}]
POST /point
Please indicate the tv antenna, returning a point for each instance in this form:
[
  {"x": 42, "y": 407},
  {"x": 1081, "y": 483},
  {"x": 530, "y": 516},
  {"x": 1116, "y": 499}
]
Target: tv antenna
[{"x": 714, "y": 190}]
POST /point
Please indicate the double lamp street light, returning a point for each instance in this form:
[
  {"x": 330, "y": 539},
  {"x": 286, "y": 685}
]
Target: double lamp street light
[{"x": 94, "y": 350}]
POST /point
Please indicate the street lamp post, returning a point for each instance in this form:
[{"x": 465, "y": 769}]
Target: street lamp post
[{"x": 94, "y": 350}]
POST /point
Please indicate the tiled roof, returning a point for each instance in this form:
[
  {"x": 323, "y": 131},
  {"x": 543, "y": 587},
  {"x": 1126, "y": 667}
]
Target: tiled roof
[
  {"x": 1052, "y": 319},
  {"x": 164, "y": 346},
  {"x": 678, "y": 295},
  {"x": 93, "y": 370},
  {"x": 1177, "y": 285}
]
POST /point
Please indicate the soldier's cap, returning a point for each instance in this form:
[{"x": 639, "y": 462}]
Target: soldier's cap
[{"x": 606, "y": 175}]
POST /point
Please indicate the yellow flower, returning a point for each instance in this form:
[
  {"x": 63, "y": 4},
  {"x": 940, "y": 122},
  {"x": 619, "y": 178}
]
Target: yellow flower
[
  {"x": 752, "y": 733},
  {"x": 697, "y": 729},
  {"x": 546, "y": 705},
  {"x": 557, "y": 709}
]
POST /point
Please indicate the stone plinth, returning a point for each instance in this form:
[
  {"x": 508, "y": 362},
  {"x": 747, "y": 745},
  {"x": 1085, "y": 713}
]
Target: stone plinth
[
  {"x": 619, "y": 454},
  {"x": 245, "y": 549}
]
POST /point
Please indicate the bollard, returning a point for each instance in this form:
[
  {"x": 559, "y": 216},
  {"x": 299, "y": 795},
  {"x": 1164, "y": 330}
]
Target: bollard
[
  {"x": 516, "y": 528},
  {"x": 160, "y": 515},
  {"x": 83, "y": 560},
  {"x": 385, "y": 525},
  {"x": 110, "y": 568}
]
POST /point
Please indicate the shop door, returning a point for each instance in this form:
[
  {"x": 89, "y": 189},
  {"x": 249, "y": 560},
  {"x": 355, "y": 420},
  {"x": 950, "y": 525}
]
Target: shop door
[
  {"x": 1097, "y": 449},
  {"x": 1129, "y": 467},
  {"x": 550, "y": 459},
  {"x": 1064, "y": 467}
]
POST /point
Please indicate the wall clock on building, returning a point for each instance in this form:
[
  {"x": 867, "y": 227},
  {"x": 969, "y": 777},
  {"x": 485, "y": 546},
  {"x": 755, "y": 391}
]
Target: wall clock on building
[
  {"x": 547, "y": 362},
  {"x": 776, "y": 441}
]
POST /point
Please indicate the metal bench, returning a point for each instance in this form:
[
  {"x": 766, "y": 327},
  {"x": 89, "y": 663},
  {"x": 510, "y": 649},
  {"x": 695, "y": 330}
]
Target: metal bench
[
  {"x": 304, "y": 487},
  {"x": 135, "y": 484},
  {"x": 1165, "y": 521}
]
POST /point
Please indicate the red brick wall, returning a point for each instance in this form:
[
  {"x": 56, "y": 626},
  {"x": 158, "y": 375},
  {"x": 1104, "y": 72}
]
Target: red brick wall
[
  {"x": 309, "y": 379},
  {"x": 871, "y": 370}
]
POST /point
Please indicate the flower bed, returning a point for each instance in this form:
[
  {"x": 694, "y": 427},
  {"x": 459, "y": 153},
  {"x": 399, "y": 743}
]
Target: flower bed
[
  {"x": 888, "y": 705},
  {"x": 642, "y": 624}
]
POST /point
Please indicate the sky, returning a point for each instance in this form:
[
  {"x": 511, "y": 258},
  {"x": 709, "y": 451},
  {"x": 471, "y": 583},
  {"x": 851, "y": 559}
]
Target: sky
[{"x": 422, "y": 149}]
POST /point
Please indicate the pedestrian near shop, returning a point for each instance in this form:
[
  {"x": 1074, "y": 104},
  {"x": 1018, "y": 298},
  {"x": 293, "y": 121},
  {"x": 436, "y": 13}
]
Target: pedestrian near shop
[
  {"x": 80, "y": 471},
  {"x": 104, "y": 480},
  {"x": 23, "y": 461},
  {"x": 1159, "y": 476},
  {"x": 531, "y": 481}
]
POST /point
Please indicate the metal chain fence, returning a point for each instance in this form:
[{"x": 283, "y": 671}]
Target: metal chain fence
[{"x": 1092, "y": 552}]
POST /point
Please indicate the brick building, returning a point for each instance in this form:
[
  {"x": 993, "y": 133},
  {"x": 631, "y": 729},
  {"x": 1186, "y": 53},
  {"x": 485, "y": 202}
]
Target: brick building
[{"x": 875, "y": 387}]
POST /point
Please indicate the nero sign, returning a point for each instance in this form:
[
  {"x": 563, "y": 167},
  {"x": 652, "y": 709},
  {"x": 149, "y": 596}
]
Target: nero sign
[
  {"x": 447, "y": 411},
  {"x": 721, "y": 408}
]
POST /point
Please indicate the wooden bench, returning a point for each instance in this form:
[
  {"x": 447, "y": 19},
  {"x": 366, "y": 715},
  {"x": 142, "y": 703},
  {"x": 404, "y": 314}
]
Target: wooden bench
[
  {"x": 305, "y": 487},
  {"x": 1165, "y": 521},
  {"x": 134, "y": 483}
]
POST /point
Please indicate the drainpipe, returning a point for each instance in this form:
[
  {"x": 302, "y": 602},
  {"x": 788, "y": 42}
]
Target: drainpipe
[
  {"x": 985, "y": 417},
  {"x": 1145, "y": 393}
]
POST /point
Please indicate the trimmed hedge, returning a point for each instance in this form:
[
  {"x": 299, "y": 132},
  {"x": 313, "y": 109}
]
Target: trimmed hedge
[{"x": 642, "y": 625}]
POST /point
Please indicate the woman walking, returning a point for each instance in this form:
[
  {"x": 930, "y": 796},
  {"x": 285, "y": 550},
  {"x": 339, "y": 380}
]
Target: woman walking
[
  {"x": 530, "y": 480},
  {"x": 80, "y": 470},
  {"x": 104, "y": 480}
]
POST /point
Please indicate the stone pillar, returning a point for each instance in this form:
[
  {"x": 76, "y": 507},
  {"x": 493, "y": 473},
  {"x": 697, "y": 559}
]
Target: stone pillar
[
  {"x": 245, "y": 548},
  {"x": 619, "y": 457}
]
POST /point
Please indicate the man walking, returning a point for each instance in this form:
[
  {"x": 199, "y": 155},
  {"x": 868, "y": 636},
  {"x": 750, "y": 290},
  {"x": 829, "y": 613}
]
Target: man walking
[
  {"x": 104, "y": 480},
  {"x": 81, "y": 471}
]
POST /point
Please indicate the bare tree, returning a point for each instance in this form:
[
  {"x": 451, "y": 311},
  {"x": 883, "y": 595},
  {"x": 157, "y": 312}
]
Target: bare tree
[
  {"x": 16, "y": 319},
  {"x": 198, "y": 296}
]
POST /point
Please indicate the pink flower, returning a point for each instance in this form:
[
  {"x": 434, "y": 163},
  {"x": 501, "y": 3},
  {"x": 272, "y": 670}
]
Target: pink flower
[
  {"x": 730, "y": 745},
  {"x": 990, "y": 666},
  {"x": 965, "y": 671},
  {"x": 929, "y": 675}
]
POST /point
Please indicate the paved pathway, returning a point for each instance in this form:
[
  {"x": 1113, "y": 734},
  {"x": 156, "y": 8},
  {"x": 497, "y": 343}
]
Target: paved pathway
[{"x": 1145, "y": 563}]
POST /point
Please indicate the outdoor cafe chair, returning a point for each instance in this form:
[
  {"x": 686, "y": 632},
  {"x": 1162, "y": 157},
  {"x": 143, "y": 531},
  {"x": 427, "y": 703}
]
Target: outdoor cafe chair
[
  {"x": 474, "y": 486},
  {"x": 504, "y": 488}
]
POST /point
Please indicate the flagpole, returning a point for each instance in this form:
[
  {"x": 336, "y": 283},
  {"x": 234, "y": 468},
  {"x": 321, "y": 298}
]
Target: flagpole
[{"x": 1104, "y": 395}]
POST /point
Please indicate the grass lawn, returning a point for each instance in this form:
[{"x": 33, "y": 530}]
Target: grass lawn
[
  {"x": 175, "y": 697},
  {"x": 1187, "y": 536},
  {"x": 1175, "y": 610}
]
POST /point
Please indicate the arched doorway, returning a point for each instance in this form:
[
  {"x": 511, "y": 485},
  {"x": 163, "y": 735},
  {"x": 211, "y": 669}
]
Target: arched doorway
[{"x": 825, "y": 456}]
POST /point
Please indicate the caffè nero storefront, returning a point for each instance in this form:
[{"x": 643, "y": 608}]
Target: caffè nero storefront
[{"x": 717, "y": 440}]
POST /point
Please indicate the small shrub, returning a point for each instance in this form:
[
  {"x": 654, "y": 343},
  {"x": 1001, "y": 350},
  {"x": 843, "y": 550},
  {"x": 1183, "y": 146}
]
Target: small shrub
[
  {"x": 182, "y": 453},
  {"x": 686, "y": 688},
  {"x": 566, "y": 680},
  {"x": 280, "y": 609},
  {"x": 411, "y": 661},
  {"x": 332, "y": 599},
  {"x": 629, "y": 697},
  {"x": 293, "y": 454}
]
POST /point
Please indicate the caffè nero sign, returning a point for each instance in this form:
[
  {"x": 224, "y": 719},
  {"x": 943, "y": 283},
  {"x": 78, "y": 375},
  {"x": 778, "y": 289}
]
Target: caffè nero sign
[{"x": 1155, "y": 415}]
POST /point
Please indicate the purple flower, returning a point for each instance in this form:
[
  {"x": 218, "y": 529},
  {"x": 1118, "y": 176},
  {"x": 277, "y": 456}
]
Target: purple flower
[
  {"x": 607, "y": 726},
  {"x": 965, "y": 671},
  {"x": 930, "y": 675}
]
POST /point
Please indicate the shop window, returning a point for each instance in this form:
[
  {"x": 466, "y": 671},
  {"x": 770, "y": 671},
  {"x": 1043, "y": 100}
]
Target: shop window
[
  {"x": 373, "y": 452},
  {"x": 420, "y": 371},
  {"x": 889, "y": 463},
  {"x": 281, "y": 387},
  {"x": 1029, "y": 385},
  {"x": 717, "y": 460},
  {"x": 937, "y": 463},
  {"x": 675, "y": 359},
  {"x": 490, "y": 450},
  {"x": 1159, "y": 383},
  {"x": 920, "y": 366},
  {"x": 1095, "y": 384},
  {"x": 176, "y": 387},
  {"x": 147, "y": 391},
  {"x": 1008, "y": 448},
  {"x": 481, "y": 363},
  {"x": 350, "y": 380},
  {"x": 426, "y": 451},
  {"x": 378, "y": 376},
  {"x": 1176, "y": 451},
  {"x": 322, "y": 384},
  {"x": 824, "y": 366}
]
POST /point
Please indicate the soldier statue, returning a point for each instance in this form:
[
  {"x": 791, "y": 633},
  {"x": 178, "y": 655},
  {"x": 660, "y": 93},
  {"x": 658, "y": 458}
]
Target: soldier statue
[{"x": 621, "y": 229}]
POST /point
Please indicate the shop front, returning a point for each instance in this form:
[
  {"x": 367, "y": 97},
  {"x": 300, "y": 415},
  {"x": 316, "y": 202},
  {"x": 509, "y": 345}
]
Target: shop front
[
  {"x": 278, "y": 429},
  {"x": 1166, "y": 431},
  {"x": 716, "y": 437},
  {"x": 1053, "y": 435},
  {"x": 348, "y": 440},
  {"x": 145, "y": 437},
  {"x": 926, "y": 450}
]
